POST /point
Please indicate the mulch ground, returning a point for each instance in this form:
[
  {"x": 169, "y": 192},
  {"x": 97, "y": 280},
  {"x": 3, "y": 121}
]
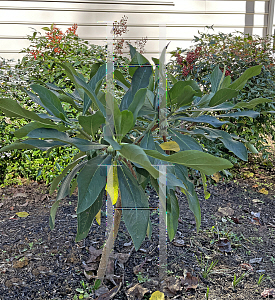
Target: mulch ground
[{"x": 237, "y": 232}]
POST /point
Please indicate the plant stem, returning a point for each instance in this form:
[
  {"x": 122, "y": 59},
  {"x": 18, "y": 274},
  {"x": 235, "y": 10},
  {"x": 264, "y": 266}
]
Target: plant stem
[{"x": 110, "y": 242}]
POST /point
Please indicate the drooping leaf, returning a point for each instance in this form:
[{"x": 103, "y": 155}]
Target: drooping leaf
[
  {"x": 195, "y": 159},
  {"x": 236, "y": 147},
  {"x": 23, "y": 131},
  {"x": 112, "y": 183},
  {"x": 136, "y": 154},
  {"x": 44, "y": 145},
  {"x": 119, "y": 77},
  {"x": 71, "y": 165},
  {"x": 50, "y": 100},
  {"x": 190, "y": 193},
  {"x": 13, "y": 109},
  {"x": 91, "y": 180},
  {"x": 91, "y": 93},
  {"x": 49, "y": 133},
  {"x": 64, "y": 191},
  {"x": 172, "y": 214},
  {"x": 16, "y": 145},
  {"x": 85, "y": 218},
  {"x": 135, "y": 206}
]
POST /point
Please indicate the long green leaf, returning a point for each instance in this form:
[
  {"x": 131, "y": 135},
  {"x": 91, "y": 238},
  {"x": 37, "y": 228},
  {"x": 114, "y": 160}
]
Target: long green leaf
[
  {"x": 23, "y": 131},
  {"x": 69, "y": 167},
  {"x": 140, "y": 80},
  {"x": 50, "y": 100},
  {"x": 138, "y": 102},
  {"x": 189, "y": 191},
  {"x": 133, "y": 197},
  {"x": 64, "y": 191},
  {"x": 251, "y": 104},
  {"x": 222, "y": 95},
  {"x": 91, "y": 180},
  {"x": 12, "y": 107},
  {"x": 91, "y": 93},
  {"x": 195, "y": 159},
  {"x": 85, "y": 218},
  {"x": 137, "y": 155},
  {"x": 16, "y": 145},
  {"x": 172, "y": 214},
  {"x": 239, "y": 83},
  {"x": 48, "y": 133}
]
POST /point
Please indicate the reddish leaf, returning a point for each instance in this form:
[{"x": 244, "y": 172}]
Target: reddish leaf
[
  {"x": 191, "y": 282},
  {"x": 248, "y": 267},
  {"x": 268, "y": 292},
  {"x": 236, "y": 220}
]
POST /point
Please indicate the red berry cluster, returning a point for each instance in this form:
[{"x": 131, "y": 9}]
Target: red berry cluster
[
  {"x": 55, "y": 38},
  {"x": 188, "y": 63},
  {"x": 227, "y": 71}
]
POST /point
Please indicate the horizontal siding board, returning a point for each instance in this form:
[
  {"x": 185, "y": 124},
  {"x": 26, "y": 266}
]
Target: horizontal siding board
[{"x": 183, "y": 19}]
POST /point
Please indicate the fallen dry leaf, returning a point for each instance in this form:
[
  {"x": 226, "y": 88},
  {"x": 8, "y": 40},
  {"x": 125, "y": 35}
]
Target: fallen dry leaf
[
  {"x": 216, "y": 177},
  {"x": 226, "y": 211},
  {"x": 21, "y": 263},
  {"x": 268, "y": 292},
  {"x": 22, "y": 214},
  {"x": 189, "y": 281},
  {"x": 172, "y": 284},
  {"x": 22, "y": 195},
  {"x": 263, "y": 191},
  {"x": 110, "y": 294},
  {"x": 224, "y": 245},
  {"x": 248, "y": 267},
  {"x": 255, "y": 185},
  {"x": 94, "y": 254},
  {"x": 136, "y": 292}
]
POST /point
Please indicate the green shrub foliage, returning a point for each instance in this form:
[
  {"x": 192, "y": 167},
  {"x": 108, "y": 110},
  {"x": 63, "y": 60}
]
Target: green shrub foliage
[{"x": 234, "y": 53}]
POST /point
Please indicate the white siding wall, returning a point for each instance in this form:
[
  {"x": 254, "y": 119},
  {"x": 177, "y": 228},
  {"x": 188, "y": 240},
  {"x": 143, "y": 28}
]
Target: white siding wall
[{"x": 183, "y": 20}]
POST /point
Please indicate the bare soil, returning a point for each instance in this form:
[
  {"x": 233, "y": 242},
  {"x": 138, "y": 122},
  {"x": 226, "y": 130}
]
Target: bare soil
[{"x": 237, "y": 232}]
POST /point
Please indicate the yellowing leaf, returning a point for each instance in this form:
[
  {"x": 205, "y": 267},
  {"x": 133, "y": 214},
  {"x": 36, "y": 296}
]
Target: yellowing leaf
[
  {"x": 263, "y": 191},
  {"x": 157, "y": 296},
  {"x": 22, "y": 214},
  {"x": 112, "y": 184},
  {"x": 98, "y": 217},
  {"x": 216, "y": 176},
  {"x": 173, "y": 146}
]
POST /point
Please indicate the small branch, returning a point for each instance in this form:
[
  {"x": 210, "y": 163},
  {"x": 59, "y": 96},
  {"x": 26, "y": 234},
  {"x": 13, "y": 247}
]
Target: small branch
[
  {"x": 130, "y": 167},
  {"x": 151, "y": 128},
  {"x": 110, "y": 242}
]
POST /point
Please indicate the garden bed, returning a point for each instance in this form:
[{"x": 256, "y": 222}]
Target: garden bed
[{"x": 37, "y": 263}]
